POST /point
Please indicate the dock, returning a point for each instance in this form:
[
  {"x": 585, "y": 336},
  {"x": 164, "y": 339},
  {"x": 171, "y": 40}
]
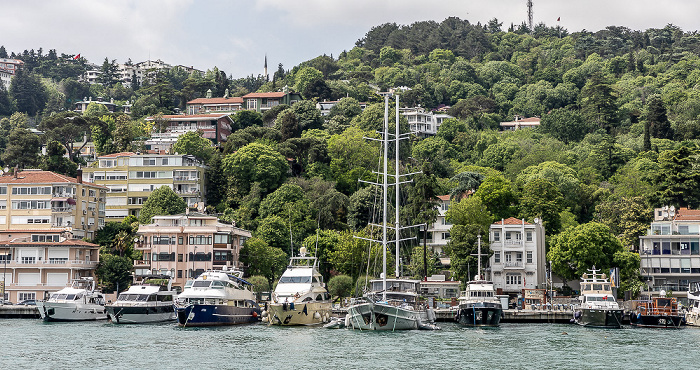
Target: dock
[
  {"x": 518, "y": 316},
  {"x": 19, "y": 312}
]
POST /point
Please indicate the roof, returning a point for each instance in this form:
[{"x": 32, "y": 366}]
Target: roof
[
  {"x": 65, "y": 243},
  {"x": 114, "y": 155},
  {"x": 449, "y": 197},
  {"x": 265, "y": 95},
  {"x": 232, "y": 100},
  {"x": 511, "y": 221},
  {"x": 40, "y": 177},
  {"x": 191, "y": 117},
  {"x": 685, "y": 214}
]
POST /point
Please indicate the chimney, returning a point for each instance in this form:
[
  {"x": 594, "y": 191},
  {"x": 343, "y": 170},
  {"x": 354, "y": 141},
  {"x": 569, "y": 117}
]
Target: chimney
[{"x": 79, "y": 175}]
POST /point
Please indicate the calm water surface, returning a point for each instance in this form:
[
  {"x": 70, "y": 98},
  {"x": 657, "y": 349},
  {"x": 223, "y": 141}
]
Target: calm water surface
[{"x": 35, "y": 344}]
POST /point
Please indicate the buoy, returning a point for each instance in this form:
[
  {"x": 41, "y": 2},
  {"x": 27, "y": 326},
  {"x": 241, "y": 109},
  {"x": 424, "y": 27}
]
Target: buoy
[
  {"x": 255, "y": 314},
  {"x": 264, "y": 314},
  {"x": 317, "y": 316}
]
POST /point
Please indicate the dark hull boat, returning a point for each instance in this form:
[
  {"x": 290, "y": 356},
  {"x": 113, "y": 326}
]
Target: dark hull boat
[
  {"x": 599, "y": 318},
  {"x": 659, "y": 312},
  {"x": 477, "y": 315},
  {"x": 215, "y": 315},
  {"x": 656, "y": 321}
]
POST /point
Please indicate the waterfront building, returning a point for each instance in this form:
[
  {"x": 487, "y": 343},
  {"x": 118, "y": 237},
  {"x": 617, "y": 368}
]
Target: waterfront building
[
  {"x": 439, "y": 232},
  {"x": 424, "y": 123},
  {"x": 131, "y": 177},
  {"x": 326, "y": 106},
  {"x": 81, "y": 106},
  {"x": 8, "y": 69},
  {"x": 41, "y": 205},
  {"x": 215, "y": 127},
  {"x": 211, "y": 105},
  {"x": 261, "y": 102},
  {"x": 518, "y": 261},
  {"x": 36, "y": 265},
  {"x": 186, "y": 245},
  {"x": 439, "y": 287},
  {"x": 520, "y": 122},
  {"x": 670, "y": 251}
]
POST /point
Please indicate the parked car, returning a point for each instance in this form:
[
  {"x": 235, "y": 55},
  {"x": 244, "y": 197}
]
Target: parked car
[{"x": 28, "y": 302}]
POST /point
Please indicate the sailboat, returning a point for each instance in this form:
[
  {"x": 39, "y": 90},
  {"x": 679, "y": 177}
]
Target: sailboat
[{"x": 394, "y": 307}]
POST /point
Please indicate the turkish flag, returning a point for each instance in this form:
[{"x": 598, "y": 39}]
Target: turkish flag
[
  {"x": 76, "y": 57},
  {"x": 558, "y": 19}
]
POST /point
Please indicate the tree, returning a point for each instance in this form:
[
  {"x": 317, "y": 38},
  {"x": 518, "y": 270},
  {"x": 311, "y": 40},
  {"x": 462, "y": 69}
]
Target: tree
[
  {"x": 262, "y": 259},
  {"x": 56, "y": 162},
  {"x": 678, "y": 178},
  {"x": 659, "y": 126},
  {"x": 578, "y": 249},
  {"x": 114, "y": 272},
  {"x": 565, "y": 124},
  {"x": 351, "y": 158},
  {"x": 162, "y": 201},
  {"x": 470, "y": 219},
  {"x": 260, "y": 283},
  {"x": 627, "y": 218},
  {"x": 305, "y": 77},
  {"x": 466, "y": 182},
  {"x": 346, "y": 107},
  {"x": 28, "y": 93},
  {"x": 288, "y": 125},
  {"x": 340, "y": 286},
  {"x": 496, "y": 193},
  {"x": 598, "y": 104},
  {"x": 194, "y": 144},
  {"x": 255, "y": 163},
  {"x": 246, "y": 118},
  {"x": 540, "y": 198},
  {"x": 109, "y": 73},
  {"x": 66, "y": 128},
  {"x": 307, "y": 115},
  {"x": 22, "y": 150}
]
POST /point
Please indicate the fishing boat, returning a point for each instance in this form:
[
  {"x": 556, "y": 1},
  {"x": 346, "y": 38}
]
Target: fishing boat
[
  {"x": 389, "y": 306},
  {"x": 478, "y": 305},
  {"x": 217, "y": 297},
  {"x": 692, "y": 316},
  {"x": 597, "y": 306},
  {"x": 300, "y": 297},
  {"x": 153, "y": 300},
  {"x": 659, "y": 312},
  {"x": 78, "y": 302}
]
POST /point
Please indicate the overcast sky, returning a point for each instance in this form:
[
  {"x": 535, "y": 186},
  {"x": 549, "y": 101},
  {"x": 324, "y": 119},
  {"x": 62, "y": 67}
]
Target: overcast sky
[{"x": 235, "y": 35}]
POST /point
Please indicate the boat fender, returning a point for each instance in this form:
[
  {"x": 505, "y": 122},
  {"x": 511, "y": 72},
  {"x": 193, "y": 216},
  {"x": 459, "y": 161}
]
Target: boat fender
[
  {"x": 255, "y": 314},
  {"x": 317, "y": 316},
  {"x": 264, "y": 313},
  {"x": 639, "y": 316},
  {"x": 577, "y": 314}
]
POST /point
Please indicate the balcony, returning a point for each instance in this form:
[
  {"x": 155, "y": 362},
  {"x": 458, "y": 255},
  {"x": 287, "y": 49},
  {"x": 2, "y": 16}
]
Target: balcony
[
  {"x": 185, "y": 178},
  {"x": 62, "y": 209},
  {"x": 187, "y": 192},
  {"x": 142, "y": 263},
  {"x": 513, "y": 243},
  {"x": 58, "y": 263},
  {"x": 512, "y": 265}
]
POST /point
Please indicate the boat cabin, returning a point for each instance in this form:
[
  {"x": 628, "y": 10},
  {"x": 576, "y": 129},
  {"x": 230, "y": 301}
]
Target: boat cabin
[{"x": 659, "y": 306}]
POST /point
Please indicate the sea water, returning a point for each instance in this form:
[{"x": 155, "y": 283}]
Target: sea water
[{"x": 88, "y": 345}]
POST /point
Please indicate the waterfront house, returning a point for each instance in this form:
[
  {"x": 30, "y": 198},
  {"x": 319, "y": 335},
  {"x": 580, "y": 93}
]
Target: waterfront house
[
  {"x": 518, "y": 260},
  {"x": 520, "y": 122},
  {"x": 261, "y": 102},
  {"x": 424, "y": 123},
  {"x": 215, "y": 127},
  {"x": 131, "y": 177},
  {"x": 670, "y": 251},
  {"x": 186, "y": 245},
  {"x": 214, "y": 105}
]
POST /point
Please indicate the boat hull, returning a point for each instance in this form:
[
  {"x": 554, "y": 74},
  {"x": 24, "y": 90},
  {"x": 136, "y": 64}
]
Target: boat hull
[
  {"x": 140, "y": 314},
  {"x": 656, "y": 321},
  {"x": 59, "y": 311},
  {"x": 598, "y": 318},
  {"x": 479, "y": 316},
  {"x": 692, "y": 318},
  {"x": 216, "y": 315},
  {"x": 310, "y": 313},
  {"x": 382, "y": 316}
]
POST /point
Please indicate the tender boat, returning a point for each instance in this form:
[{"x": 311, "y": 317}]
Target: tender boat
[
  {"x": 153, "y": 300},
  {"x": 692, "y": 317},
  {"x": 300, "y": 297},
  {"x": 392, "y": 304},
  {"x": 597, "y": 306},
  {"x": 217, "y": 298},
  {"x": 79, "y": 302},
  {"x": 659, "y": 312},
  {"x": 478, "y": 305}
]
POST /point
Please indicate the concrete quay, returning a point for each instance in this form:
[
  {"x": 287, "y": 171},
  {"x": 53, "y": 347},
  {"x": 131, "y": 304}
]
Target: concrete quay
[{"x": 19, "y": 312}]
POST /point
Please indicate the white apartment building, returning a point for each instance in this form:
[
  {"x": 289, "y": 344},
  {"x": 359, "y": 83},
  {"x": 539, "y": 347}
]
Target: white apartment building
[
  {"x": 670, "y": 252},
  {"x": 439, "y": 232},
  {"x": 423, "y": 123},
  {"x": 518, "y": 260},
  {"x": 8, "y": 69}
]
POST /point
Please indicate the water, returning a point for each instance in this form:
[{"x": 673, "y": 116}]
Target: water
[{"x": 35, "y": 344}]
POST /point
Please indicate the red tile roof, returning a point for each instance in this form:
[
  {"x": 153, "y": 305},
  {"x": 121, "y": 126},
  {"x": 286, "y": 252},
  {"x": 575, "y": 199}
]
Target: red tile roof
[
  {"x": 511, "y": 221},
  {"x": 67, "y": 242},
  {"x": 232, "y": 100},
  {"x": 191, "y": 116},
  {"x": 40, "y": 177},
  {"x": 685, "y": 214},
  {"x": 114, "y": 155},
  {"x": 265, "y": 95}
]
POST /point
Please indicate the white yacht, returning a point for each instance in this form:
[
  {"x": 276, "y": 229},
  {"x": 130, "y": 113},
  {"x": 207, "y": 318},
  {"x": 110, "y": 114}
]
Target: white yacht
[
  {"x": 300, "y": 297},
  {"x": 387, "y": 308},
  {"x": 478, "y": 305},
  {"x": 692, "y": 317},
  {"x": 217, "y": 297},
  {"x": 79, "y": 302},
  {"x": 597, "y": 306},
  {"x": 153, "y": 300}
]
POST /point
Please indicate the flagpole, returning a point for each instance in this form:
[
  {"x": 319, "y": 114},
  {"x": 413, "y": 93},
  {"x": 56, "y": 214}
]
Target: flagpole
[{"x": 559, "y": 26}]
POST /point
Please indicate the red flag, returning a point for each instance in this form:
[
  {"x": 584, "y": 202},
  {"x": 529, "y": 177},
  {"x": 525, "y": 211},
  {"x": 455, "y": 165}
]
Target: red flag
[
  {"x": 76, "y": 57},
  {"x": 558, "y": 19}
]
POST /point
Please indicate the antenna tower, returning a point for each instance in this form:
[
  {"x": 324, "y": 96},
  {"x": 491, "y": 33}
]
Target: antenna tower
[{"x": 530, "y": 24}]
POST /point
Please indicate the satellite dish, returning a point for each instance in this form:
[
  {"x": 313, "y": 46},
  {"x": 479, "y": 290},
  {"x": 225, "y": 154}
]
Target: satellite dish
[{"x": 662, "y": 293}]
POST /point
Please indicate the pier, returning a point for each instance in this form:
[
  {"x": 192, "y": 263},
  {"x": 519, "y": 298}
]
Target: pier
[{"x": 19, "y": 312}]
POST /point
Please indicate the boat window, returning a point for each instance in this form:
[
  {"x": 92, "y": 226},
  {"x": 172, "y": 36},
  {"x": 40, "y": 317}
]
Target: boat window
[
  {"x": 165, "y": 298},
  {"x": 201, "y": 284},
  {"x": 597, "y": 286},
  {"x": 188, "y": 283},
  {"x": 152, "y": 298},
  {"x": 54, "y": 296},
  {"x": 295, "y": 280},
  {"x": 218, "y": 285},
  {"x": 319, "y": 297},
  {"x": 308, "y": 299},
  {"x": 142, "y": 297},
  {"x": 70, "y": 297},
  {"x": 606, "y": 286},
  {"x": 663, "y": 302}
]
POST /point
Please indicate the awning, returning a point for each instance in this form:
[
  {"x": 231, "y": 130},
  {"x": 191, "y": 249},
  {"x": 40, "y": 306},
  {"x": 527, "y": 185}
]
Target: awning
[{"x": 59, "y": 199}]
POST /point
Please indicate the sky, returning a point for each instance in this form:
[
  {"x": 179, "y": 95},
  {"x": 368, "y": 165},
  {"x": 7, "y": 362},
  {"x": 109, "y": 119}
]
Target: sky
[{"x": 235, "y": 35}]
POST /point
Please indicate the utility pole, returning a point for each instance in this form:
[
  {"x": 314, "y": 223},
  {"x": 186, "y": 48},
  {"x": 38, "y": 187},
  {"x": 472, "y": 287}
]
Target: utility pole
[{"x": 529, "y": 17}]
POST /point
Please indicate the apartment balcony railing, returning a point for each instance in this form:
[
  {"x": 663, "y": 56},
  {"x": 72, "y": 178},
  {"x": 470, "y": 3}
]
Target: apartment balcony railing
[
  {"x": 62, "y": 209},
  {"x": 52, "y": 262},
  {"x": 185, "y": 178},
  {"x": 187, "y": 192},
  {"x": 512, "y": 264}
]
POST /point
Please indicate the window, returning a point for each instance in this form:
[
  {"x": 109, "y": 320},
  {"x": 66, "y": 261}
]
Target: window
[
  {"x": 496, "y": 236},
  {"x": 445, "y": 206},
  {"x": 33, "y": 190},
  {"x": 497, "y": 257},
  {"x": 223, "y": 256},
  {"x": 180, "y": 240},
  {"x": 222, "y": 239},
  {"x": 179, "y": 274},
  {"x": 23, "y": 296},
  {"x": 149, "y": 161},
  {"x": 200, "y": 240},
  {"x": 445, "y": 236},
  {"x": 3, "y": 190},
  {"x": 529, "y": 236},
  {"x": 508, "y": 257},
  {"x": 519, "y": 257},
  {"x": 200, "y": 257},
  {"x": 196, "y": 222},
  {"x": 179, "y": 257},
  {"x": 163, "y": 240},
  {"x": 164, "y": 256},
  {"x": 529, "y": 256},
  {"x": 513, "y": 279},
  {"x": 45, "y": 238},
  {"x": 445, "y": 222}
]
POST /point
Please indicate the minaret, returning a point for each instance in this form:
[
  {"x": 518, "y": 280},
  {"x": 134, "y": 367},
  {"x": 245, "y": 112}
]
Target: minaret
[{"x": 267, "y": 77}]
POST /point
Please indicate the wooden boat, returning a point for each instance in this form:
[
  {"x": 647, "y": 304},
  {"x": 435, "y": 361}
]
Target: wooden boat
[{"x": 659, "y": 312}]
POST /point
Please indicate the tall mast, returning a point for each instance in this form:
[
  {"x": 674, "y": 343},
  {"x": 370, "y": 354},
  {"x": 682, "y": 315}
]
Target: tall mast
[
  {"x": 396, "y": 179},
  {"x": 478, "y": 251},
  {"x": 385, "y": 185}
]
